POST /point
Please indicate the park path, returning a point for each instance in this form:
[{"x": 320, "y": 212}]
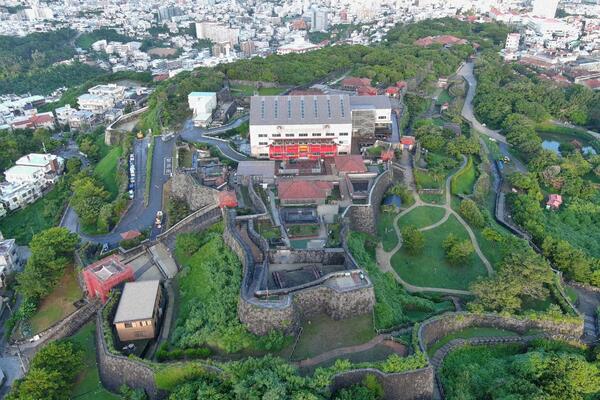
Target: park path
[{"x": 384, "y": 257}]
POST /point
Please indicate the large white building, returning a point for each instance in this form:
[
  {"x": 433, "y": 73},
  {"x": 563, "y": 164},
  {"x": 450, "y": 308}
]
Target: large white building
[
  {"x": 545, "y": 8},
  {"x": 9, "y": 258},
  {"x": 95, "y": 104},
  {"x": 217, "y": 32},
  {"x": 313, "y": 126},
  {"x": 203, "y": 104}
]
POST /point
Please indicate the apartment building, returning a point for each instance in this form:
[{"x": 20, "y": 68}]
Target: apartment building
[
  {"x": 9, "y": 258},
  {"x": 203, "y": 104}
]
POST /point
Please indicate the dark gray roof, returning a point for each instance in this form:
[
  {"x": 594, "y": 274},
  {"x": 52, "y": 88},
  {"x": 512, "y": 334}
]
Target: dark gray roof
[
  {"x": 300, "y": 110},
  {"x": 266, "y": 169},
  {"x": 137, "y": 301},
  {"x": 370, "y": 102}
]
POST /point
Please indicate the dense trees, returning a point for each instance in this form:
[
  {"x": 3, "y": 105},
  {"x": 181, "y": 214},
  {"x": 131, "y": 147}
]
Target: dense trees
[
  {"x": 51, "y": 375},
  {"x": 413, "y": 239},
  {"x": 546, "y": 370},
  {"x": 471, "y": 213},
  {"x": 522, "y": 274},
  {"x": 51, "y": 252},
  {"x": 505, "y": 89},
  {"x": 89, "y": 196},
  {"x": 15, "y": 144},
  {"x": 457, "y": 251}
]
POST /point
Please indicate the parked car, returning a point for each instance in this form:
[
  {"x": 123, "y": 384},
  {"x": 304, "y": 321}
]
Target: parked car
[{"x": 131, "y": 194}]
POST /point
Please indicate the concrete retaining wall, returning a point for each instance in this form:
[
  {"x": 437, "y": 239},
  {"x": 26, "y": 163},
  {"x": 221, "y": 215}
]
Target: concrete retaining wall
[{"x": 410, "y": 385}]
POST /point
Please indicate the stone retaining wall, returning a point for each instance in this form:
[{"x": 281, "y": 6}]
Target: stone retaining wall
[
  {"x": 438, "y": 327},
  {"x": 410, "y": 385},
  {"x": 116, "y": 370},
  {"x": 327, "y": 256}
]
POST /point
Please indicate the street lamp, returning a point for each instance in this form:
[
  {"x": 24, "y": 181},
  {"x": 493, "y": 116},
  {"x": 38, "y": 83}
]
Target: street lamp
[{"x": 6, "y": 301}]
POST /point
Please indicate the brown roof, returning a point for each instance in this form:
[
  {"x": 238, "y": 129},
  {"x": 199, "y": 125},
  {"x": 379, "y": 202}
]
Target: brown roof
[
  {"x": 349, "y": 163},
  {"x": 130, "y": 234},
  {"x": 295, "y": 189}
]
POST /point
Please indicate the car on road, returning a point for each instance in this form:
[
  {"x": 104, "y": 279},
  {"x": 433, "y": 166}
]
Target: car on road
[
  {"x": 159, "y": 217},
  {"x": 131, "y": 194}
]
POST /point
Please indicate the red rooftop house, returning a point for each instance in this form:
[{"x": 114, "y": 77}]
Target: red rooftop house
[
  {"x": 103, "y": 275},
  {"x": 366, "y": 91},
  {"x": 392, "y": 91},
  {"x": 554, "y": 202},
  {"x": 227, "y": 199},
  {"x": 349, "y": 164},
  {"x": 352, "y": 83},
  {"x": 407, "y": 142},
  {"x": 302, "y": 192}
]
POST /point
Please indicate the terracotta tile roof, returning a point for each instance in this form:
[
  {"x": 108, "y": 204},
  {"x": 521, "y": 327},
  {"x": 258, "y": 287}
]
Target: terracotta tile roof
[
  {"x": 130, "y": 234},
  {"x": 227, "y": 199},
  {"x": 355, "y": 82},
  {"x": 295, "y": 189},
  {"x": 410, "y": 140},
  {"x": 349, "y": 163}
]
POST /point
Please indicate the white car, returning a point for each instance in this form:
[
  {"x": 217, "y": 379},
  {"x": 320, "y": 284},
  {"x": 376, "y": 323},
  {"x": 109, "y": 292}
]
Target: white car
[{"x": 131, "y": 194}]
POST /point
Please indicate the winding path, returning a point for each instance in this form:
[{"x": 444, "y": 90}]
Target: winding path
[{"x": 384, "y": 257}]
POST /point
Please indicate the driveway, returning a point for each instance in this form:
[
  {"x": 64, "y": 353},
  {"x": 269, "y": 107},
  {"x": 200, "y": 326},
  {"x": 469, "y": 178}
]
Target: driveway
[
  {"x": 190, "y": 133},
  {"x": 138, "y": 216}
]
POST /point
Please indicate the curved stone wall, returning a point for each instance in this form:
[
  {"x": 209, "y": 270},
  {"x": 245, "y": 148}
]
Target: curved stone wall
[{"x": 410, "y": 385}]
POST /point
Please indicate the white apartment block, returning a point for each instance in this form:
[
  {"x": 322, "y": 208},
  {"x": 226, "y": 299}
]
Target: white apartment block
[
  {"x": 203, "y": 104},
  {"x": 545, "y": 8},
  {"x": 95, "y": 104},
  {"x": 64, "y": 114},
  {"x": 9, "y": 258},
  {"x": 512, "y": 42},
  {"x": 116, "y": 92},
  {"x": 217, "y": 32},
  {"x": 17, "y": 195}
]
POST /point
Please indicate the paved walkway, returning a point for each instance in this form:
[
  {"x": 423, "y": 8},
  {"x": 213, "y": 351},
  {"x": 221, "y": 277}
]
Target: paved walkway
[{"x": 384, "y": 257}]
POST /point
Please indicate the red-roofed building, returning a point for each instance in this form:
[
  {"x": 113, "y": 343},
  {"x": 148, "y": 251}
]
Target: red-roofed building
[
  {"x": 160, "y": 77},
  {"x": 408, "y": 142},
  {"x": 401, "y": 84},
  {"x": 554, "y": 201},
  {"x": 105, "y": 274},
  {"x": 302, "y": 192},
  {"x": 227, "y": 199},
  {"x": 43, "y": 120},
  {"x": 299, "y": 25},
  {"x": 349, "y": 164},
  {"x": 353, "y": 83},
  {"x": 392, "y": 91},
  {"x": 387, "y": 155},
  {"x": 366, "y": 91}
]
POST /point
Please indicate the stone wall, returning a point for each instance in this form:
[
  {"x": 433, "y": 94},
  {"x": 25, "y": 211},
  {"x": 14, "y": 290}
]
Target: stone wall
[
  {"x": 196, "y": 196},
  {"x": 438, "y": 327},
  {"x": 327, "y": 256},
  {"x": 116, "y": 370},
  {"x": 336, "y": 304},
  {"x": 363, "y": 218},
  {"x": 410, "y": 385}
]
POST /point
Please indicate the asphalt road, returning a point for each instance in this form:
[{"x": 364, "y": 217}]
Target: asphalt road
[
  {"x": 138, "y": 216},
  {"x": 190, "y": 133},
  {"x": 466, "y": 72}
]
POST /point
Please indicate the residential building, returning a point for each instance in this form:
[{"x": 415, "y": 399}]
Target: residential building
[
  {"x": 64, "y": 114},
  {"x": 34, "y": 121},
  {"x": 105, "y": 274},
  {"x": 554, "y": 201},
  {"x": 303, "y": 192},
  {"x": 512, "y": 42},
  {"x": 9, "y": 258},
  {"x": 203, "y": 105},
  {"x": 371, "y": 119},
  {"x": 94, "y": 103},
  {"x": 50, "y": 163},
  {"x": 139, "y": 311},
  {"x": 318, "y": 19},
  {"x": 217, "y": 32},
  {"x": 286, "y": 127},
  {"x": 114, "y": 91},
  {"x": 14, "y": 195}
]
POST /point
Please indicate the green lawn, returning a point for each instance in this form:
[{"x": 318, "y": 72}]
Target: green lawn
[
  {"x": 386, "y": 231},
  {"x": 88, "y": 384},
  {"x": 43, "y": 214},
  {"x": 468, "y": 333},
  {"x": 303, "y": 230},
  {"x": 422, "y": 217},
  {"x": 268, "y": 231},
  {"x": 106, "y": 170},
  {"x": 444, "y": 97},
  {"x": 321, "y": 334},
  {"x": 463, "y": 181},
  {"x": 430, "y": 268},
  {"x": 58, "y": 304},
  {"x": 426, "y": 180}
]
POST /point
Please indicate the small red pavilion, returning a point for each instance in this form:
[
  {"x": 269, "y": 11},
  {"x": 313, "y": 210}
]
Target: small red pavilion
[{"x": 103, "y": 275}]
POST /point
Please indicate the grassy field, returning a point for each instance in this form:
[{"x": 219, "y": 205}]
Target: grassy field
[
  {"x": 426, "y": 180},
  {"x": 463, "y": 181},
  {"x": 422, "y": 217},
  {"x": 58, "y": 304},
  {"x": 303, "y": 230},
  {"x": 321, "y": 334},
  {"x": 247, "y": 90},
  {"x": 43, "y": 214},
  {"x": 385, "y": 230},
  {"x": 468, "y": 333},
  {"x": 88, "y": 386},
  {"x": 430, "y": 268},
  {"x": 106, "y": 170},
  {"x": 268, "y": 231}
]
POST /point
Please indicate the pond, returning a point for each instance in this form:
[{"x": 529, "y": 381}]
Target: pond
[
  {"x": 392, "y": 200},
  {"x": 554, "y": 146}
]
